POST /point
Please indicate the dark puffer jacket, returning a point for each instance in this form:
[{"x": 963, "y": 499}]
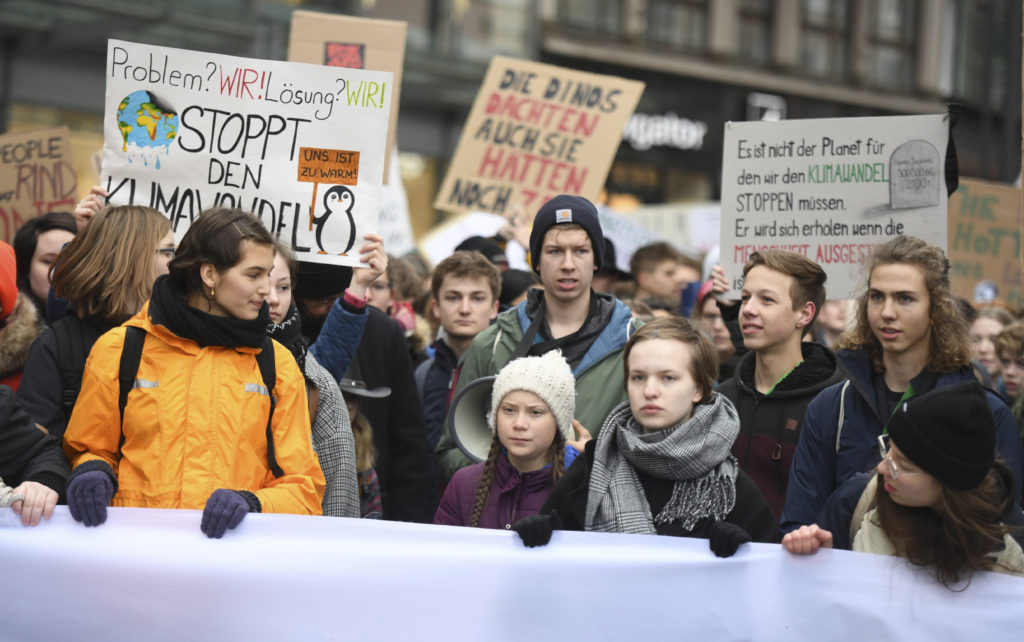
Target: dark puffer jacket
[
  {"x": 514, "y": 495},
  {"x": 770, "y": 424}
]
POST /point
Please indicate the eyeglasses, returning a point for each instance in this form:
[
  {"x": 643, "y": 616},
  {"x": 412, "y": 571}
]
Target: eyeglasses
[
  {"x": 884, "y": 446},
  {"x": 166, "y": 251}
]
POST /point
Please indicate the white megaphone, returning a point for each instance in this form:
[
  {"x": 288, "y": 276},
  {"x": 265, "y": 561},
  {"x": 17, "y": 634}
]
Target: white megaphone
[{"x": 467, "y": 419}]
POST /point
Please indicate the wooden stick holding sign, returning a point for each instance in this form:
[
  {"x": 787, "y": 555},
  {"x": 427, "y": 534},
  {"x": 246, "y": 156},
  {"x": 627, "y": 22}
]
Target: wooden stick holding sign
[{"x": 333, "y": 167}]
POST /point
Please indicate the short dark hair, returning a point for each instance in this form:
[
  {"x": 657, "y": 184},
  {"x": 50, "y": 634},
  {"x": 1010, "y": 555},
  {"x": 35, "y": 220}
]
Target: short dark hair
[
  {"x": 647, "y": 258},
  {"x": 215, "y": 237},
  {"x": 466, "y": 264},
  {"x": 808, "y": 277}
]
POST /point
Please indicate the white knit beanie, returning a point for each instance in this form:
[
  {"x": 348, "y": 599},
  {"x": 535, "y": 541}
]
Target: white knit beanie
[{"x": 547, "y": 376}]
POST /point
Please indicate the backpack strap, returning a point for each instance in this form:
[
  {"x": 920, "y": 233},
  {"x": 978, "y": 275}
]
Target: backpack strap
[
  {"x": 864, "y": 504},
  {"x": 268, "y": 370},
  {"x": 842, "y": 413},
  {"x": 131, "y": 354},
  {"x": 71, "y": 354},
  {"x": 420, "y": 375}
]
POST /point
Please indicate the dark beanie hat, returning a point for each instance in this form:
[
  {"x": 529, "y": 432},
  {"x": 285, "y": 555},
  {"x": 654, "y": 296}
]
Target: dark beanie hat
[
  {"x": 491, "y": 250},
  {"x": 321, "y": 280},
  {"x": 949, "y": 432},
  {"x": 567, "y": 209}
]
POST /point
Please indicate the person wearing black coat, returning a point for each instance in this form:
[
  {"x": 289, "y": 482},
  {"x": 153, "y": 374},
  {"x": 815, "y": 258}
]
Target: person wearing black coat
[{"x": 30, "y": 461}]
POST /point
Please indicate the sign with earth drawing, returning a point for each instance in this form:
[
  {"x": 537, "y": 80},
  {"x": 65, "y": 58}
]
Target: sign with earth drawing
[
  {"x": 831, "y": 189},
  {"x": 301, "y": 146}
]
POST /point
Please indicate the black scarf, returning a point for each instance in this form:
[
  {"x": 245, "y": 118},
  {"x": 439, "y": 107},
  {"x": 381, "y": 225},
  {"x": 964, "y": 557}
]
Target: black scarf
[
  {"x": 289, "y": 334},
  {"x": 167, "y": 307},
  {"x": 573, "y": 346}
]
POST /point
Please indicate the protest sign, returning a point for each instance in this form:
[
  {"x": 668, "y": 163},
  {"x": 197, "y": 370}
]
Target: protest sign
[
  {"x": 356, "y": 43},
  {"x": 301, "y": 146},
  {"x": 984, "y": 242},
  {"x": 536, "y": 131},
  {"x": 37, "y": 176},
  {"x": 831, "y": 189}
]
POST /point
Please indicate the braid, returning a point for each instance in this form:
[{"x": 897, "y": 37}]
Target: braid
[
  {"x": 483, "y": 489},
  {"x": 557, "y": 457}
]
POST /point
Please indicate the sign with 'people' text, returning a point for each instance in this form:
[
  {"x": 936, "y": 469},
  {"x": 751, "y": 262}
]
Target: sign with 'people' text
[
  {"x": 299, "y": 145},
  {"x": 37, "y": 176},
  {"x": 831, "y": 189},
  {"x": 536, "y": 131}
]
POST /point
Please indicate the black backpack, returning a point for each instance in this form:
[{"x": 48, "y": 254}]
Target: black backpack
[
  {"x": 131, "y": 353},
  {"x": 75, "y": 337}
]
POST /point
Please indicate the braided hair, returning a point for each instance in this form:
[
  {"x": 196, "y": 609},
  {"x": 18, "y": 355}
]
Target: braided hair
[{"x": 556, "y": 455}]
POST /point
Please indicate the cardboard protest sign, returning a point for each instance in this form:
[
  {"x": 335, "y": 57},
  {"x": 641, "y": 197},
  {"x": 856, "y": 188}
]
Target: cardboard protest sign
[
  {"x": 356, "y": 43},
  {"x": 301, "y": 146},
  {"x": 984, "y": 242},
  {"x": 536, "y": 131},
  {"x": 36, "y": 176},
  {"x": 831, "y": 189}
]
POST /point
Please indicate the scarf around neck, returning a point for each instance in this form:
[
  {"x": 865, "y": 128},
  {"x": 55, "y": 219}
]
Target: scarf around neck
[
  {"x": 289, "y": 334},
  {"x": 168, "y": 308},
  {"x": 695, "y": 454}
]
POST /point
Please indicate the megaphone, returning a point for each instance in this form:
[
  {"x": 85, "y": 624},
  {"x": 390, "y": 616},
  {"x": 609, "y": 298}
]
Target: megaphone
[{"x": 467, "y": 420}]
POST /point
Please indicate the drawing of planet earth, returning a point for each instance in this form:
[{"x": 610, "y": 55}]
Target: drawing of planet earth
[{"x": 145, "y": 122}]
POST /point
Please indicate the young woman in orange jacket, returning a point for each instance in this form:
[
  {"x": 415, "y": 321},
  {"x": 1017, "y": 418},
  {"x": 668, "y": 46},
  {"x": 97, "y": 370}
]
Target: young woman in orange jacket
[{"x": 200, "y": 427}]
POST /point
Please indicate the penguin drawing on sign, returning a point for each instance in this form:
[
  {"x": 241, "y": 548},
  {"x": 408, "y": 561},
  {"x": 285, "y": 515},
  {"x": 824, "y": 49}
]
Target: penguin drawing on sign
[{"x": 337, "y": 198}]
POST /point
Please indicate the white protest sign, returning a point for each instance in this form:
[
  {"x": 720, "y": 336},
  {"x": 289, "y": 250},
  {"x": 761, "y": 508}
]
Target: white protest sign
[
  {"x": 831, "y": 189},
  {"x": 299, "y": 145},
  {"x": 395, "y": 226}
]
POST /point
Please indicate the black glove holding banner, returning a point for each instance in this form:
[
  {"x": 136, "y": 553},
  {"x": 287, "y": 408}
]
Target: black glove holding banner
[
  {"x": 536, "y": 530},
  {"x": 726, "y": 538}
]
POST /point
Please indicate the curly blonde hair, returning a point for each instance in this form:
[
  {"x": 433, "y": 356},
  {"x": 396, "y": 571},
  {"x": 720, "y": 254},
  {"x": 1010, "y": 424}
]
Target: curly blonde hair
[{"x": 949, "y": 348}]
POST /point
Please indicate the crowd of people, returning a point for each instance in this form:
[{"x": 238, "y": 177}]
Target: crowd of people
[{"x": 222, "y": 375}]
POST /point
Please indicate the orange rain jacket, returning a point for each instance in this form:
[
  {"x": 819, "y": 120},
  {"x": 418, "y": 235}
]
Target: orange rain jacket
[{"x": 195, "y": 421}]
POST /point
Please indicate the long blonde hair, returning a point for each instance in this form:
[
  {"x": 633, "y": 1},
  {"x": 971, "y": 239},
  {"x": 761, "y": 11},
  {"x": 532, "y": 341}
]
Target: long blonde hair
[{"x": 107, "y": 270}]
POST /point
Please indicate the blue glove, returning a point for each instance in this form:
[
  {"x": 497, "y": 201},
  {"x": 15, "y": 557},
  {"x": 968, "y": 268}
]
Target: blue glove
[
  {"x": 726, "y": 537},
  {"x": 225, "y": 509},
  {"x": 89, "y": 494}
]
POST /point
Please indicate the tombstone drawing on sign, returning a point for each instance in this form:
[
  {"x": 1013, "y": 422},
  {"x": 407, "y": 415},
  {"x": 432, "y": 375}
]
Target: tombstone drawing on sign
[
  {"x": 338, "y": 168},
  {"x": 915, "y": 174}
]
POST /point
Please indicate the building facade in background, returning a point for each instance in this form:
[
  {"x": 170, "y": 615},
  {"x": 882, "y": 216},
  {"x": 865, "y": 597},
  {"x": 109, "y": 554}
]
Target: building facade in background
[{"x": 705, "y": 62}]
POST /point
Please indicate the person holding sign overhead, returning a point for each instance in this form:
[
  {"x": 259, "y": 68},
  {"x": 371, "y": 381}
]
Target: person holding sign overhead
[
  {"x": 190, "y": 404},
  {"x": 909, "y": 338}
]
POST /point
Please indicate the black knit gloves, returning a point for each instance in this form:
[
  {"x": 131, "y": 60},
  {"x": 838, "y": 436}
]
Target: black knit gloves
[
  {"x": 726, "y": 538},
  {"x": 536, "y": 530},
  {"x": 89, "y": 494},
  {"x": 225, "y": 509}
]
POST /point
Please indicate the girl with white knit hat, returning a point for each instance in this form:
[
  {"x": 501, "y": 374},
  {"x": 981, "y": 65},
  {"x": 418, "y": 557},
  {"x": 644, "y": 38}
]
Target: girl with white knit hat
[
  {"x": 661, "y": 464},
  {"x": 531, "y": 417}
]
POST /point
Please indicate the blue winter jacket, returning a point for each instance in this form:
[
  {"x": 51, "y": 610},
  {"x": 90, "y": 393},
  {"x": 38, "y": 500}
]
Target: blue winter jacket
[{"x": 826, "y": 457}]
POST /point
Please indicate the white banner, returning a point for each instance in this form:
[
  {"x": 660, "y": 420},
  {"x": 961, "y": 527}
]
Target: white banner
[
  {"x": 151, "y": 574},
  {"x": 831, "y": 189},
  {"x": 299, "y": 145}
]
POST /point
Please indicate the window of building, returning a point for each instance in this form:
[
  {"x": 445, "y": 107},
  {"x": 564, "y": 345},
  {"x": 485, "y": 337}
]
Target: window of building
[
  {"x": 756, "y": 31},
  {"x": 825, "y": 41},
  {"x": 980, "y": 58},
  {"x": 892, "y": 37},
  {"x": 604, "y": 16},
  {"x": 680, "y": 24}
]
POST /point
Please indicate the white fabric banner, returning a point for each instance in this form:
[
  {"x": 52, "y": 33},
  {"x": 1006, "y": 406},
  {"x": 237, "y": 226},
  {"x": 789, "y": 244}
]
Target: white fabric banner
[{"x": 151, "y": 574}]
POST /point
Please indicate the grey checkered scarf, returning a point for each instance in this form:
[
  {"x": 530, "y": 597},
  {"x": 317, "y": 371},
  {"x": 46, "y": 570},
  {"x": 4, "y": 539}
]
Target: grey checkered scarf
[{"x": 694, "y": 453}]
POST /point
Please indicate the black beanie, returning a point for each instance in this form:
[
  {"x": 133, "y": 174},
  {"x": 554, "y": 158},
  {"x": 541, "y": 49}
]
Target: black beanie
[
  {"x": 567, "y": 209},
  {"x": 321, "y": 280},
  {"x": 949, "y": 433}
]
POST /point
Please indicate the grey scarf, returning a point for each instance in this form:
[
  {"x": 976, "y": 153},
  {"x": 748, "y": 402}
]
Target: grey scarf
[{"x": 694, "y": 453}]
